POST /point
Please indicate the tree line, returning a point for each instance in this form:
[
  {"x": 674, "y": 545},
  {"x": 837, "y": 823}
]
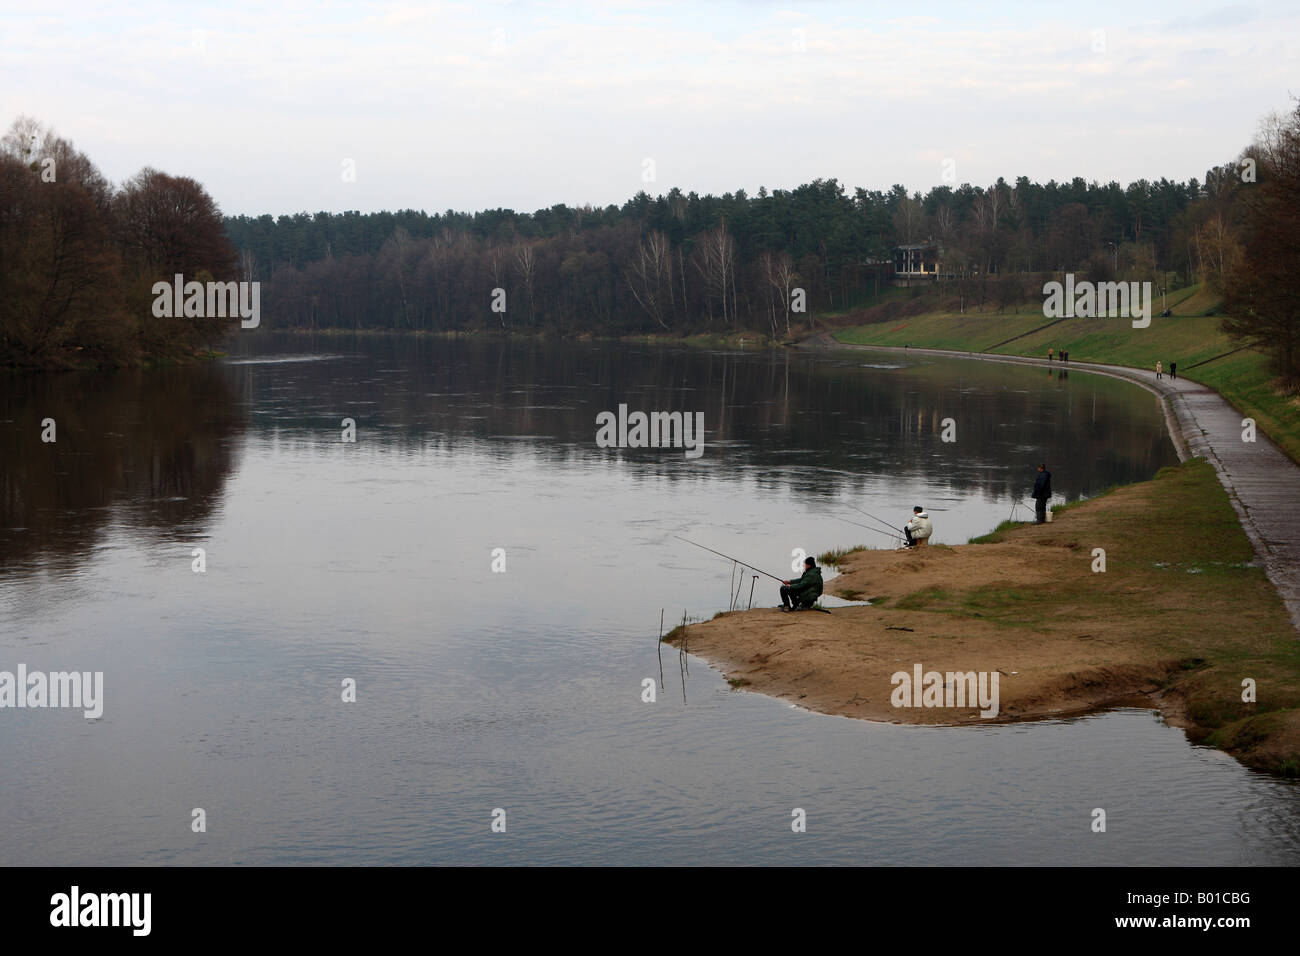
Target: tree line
[
  {"x": 79, "y": 257},
  {"x": 681, "y": 263}
]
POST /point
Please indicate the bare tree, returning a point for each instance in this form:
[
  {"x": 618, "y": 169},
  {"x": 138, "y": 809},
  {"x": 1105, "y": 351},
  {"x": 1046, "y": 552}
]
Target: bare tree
[
  {"x": 394, "y": 254},
  {"x": 525, "y": 263},
  {"x": 650, "y": 274},
  {"x": 909, "y": 219},
  {"x": 715, "y": 260},
  {"x": 780, "y": 276},
  {"x": 1261, "y": 293}
]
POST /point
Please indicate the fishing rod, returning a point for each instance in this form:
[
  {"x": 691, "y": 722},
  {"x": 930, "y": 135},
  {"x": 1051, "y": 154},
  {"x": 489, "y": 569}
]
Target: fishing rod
[
  {"x": 730, "y": 558},
  {"x": 874, "y": 518},
  {"x": 859, "y": 524}
]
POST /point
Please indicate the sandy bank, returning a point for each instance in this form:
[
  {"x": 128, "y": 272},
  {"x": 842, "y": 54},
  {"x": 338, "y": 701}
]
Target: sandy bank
[{"x": 1178, "y": 618}]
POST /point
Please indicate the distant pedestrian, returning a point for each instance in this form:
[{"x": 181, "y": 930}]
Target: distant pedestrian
[
  {"x": 1049, "y": 355},
  {"x": 1157, "y": 369},
  {"x": 1065, "y": 356},
  {"x": 1042, "y": 491},
  {"x": 1173, "y": 369}
]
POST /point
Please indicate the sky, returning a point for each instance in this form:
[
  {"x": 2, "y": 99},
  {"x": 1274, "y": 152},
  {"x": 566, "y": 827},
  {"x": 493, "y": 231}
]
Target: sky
[{"x": 286, "y": 107}]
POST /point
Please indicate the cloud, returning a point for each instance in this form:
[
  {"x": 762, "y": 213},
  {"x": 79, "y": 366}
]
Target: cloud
[{"x": 479, "y": 105}]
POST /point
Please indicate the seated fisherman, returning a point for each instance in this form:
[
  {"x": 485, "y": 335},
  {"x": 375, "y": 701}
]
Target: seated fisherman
[
  {"x": 918, "y": 530},
  {"x": 804, "y": 592}
]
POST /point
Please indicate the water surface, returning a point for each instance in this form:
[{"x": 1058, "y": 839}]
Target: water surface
[{"x": 522, "y": 690}]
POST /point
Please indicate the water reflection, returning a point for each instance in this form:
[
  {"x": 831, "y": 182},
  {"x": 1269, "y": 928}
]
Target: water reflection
[
  {"x": 803, "y": 422},
  {"x": 151, "y": 450},
  {"x": 523, "y": 689}
]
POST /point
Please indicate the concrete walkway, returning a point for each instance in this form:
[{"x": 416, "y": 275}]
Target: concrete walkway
[{"x": 1262, "y": 483}]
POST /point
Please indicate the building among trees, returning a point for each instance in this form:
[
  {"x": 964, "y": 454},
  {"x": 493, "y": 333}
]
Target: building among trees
[{"x": 917, "y": 260}]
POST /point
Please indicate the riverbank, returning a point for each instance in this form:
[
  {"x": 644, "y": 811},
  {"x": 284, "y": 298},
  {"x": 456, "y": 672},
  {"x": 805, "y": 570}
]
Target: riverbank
[
  {"x": 1191, "y": 336},
  {"x": 72, "y": 364},
  {"x": 1179, "y": 618},
  {"x": 1262, "y": 482}
]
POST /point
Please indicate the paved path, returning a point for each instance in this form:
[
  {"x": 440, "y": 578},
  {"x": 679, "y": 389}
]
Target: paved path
[{"x": 1263, "y": 484}]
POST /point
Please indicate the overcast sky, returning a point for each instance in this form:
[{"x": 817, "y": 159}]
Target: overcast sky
[{"x": 524, "y": 105}]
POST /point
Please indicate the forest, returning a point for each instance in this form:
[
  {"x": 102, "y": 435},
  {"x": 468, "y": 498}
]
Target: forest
[
  {"x": 680, "y": 262},
  {"x": 78, "y": 255}
]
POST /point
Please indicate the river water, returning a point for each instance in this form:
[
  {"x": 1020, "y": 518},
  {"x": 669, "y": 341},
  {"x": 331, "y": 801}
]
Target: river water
[{"x": 521, "y": 689}]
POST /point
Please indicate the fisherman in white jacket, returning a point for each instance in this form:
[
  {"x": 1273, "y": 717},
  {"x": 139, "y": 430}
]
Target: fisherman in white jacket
[{"x": 919, "y": 528}]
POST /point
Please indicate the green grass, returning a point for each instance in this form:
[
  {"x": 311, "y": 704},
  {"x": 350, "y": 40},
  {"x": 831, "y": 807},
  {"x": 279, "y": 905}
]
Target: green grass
[
  {"x": 1197, "y": 634},
  {"x": 924, "y": 599},
  {"x": 998, "y": 533},
  {"x": 1007, "y": 604},
  {"x": 1191, "y": 544},
  {"x": 1071, "y": 505},
  {"x": 888, "y": 294},
  {"x": 1183, "y": 339},
  {"x": 1188, "y": 337},
  {"x": 991, "y": 597},
  {"x": 836, "y": 556}
]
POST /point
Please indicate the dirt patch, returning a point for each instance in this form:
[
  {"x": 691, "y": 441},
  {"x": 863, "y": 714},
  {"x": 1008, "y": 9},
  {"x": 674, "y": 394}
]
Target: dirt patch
[{"x": 1178, "y": 618}]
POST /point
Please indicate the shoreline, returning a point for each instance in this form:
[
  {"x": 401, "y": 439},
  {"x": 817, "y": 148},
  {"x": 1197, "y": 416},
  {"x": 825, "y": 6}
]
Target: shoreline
[
  {"x": 1185, "y": 405},
  {"x": 827, "y": 341},
  {"x": 1063, "y": 639}
]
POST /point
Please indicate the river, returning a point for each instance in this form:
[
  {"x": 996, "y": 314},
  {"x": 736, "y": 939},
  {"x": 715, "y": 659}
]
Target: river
[{"x": 519, "y": 688}]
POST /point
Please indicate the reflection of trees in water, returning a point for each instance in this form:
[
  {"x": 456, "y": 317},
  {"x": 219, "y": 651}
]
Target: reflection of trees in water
[
  {"x": 150, "y": 449},
  {"x": 803, "y": 422}
]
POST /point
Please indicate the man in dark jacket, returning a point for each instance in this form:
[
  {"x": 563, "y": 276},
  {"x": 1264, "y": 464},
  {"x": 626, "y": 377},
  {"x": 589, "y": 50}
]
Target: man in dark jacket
[
  {"x": 804, "y": 592},
  {"x": 1042, "y": 491}
]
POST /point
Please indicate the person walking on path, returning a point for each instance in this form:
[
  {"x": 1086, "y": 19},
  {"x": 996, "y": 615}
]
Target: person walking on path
[
  {"x": 1042, "y": 491},
  {"x": 1157, "y": 368},
  {"x": 1049, "y": 355},
  {"x": 1173, "y": 369}
]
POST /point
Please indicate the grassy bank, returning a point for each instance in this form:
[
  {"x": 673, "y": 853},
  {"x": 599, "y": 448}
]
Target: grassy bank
[
  {"x": 1190, "y": 336},
  {"x": 1180, "y": 576},
  {"x": 1179, "y": 617}
]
